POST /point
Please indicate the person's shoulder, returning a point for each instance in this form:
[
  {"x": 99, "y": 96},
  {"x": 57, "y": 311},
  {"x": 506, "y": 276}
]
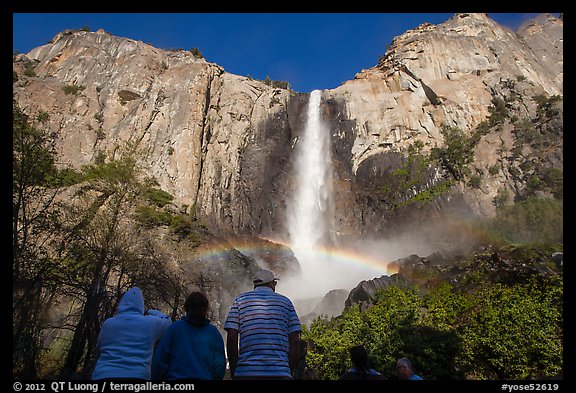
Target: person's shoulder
[
  {"x": 213, "y": 331},
  {"x": 212, "y": 328},
  {"x": 348, "y": 375},
  {"x": 177, "y": 324},
  {"x": 243, "y": 295},
  {"x": 283, "y": 297}
]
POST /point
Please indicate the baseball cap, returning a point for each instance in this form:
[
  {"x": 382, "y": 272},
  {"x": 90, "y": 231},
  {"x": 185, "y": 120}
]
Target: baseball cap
[{"x": 263, "y": 277}]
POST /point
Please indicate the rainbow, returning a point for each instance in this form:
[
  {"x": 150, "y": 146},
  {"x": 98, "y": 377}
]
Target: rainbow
[{"x": 346, "y": 257}]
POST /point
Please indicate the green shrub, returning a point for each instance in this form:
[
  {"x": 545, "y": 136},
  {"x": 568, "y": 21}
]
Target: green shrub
[
  {"x": 513, "y": 332},
  {"x": 475, "y": 181},
  {"x": 492, "y": 331},
  {"x": 554, "y": 180},
  {"x": 531, "y": 220},
  {"x": 150, "y": 217},
  {"x": 43, "y": 117},
  {"x": 498, "y": 111},
  {"x": 502, "y": 197},
  {"x": 158, "y": 196},
  {"x": 73, "y": 89},
  {"x": 196, "y": 53},
  {"x": 494, "y": 169},
  {"x": 457, "y": 153}
]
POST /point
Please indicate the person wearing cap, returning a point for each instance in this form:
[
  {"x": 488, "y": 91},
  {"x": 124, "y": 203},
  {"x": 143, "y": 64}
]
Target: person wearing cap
[{"x": 266, "y": 326}]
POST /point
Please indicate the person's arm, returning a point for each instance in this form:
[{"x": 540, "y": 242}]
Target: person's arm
[
  {"x": 160, "y": 321},
  {"x": 218, "y": 357},
  {"x": 161, "y": 357},
  {"x": 294, "y": 350},
  {"x": 232, "y": 349}
]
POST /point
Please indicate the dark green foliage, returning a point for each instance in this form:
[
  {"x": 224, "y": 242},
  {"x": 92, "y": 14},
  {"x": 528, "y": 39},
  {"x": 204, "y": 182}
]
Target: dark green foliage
[
  {"x": 43, "y": 117},
  {"x": 494, "y": 169},
  {"x": 475, "y": 181},
  {"x": 196, "y": 53},
  {"x": 378, "y": 329},
  {"x": 151, "y": 217},
  {"x": 34, "y": 154},
  {"x": 498, "y": 111},
  {"x": 531, "y": 220},
  {"x": 188, "y": 228},
  {"x": 483, "y": 128},
  {"x": 100, "y": 134},
  {"x": 502, "y": 197},
  {"x": 525, "y": 132},
  {"x": 546, "y": 106},
  {"x": 34, "y": 219},
  {"x": 278, "y": 84},
  {"x": 458, "y": 153},
  {"x": 158, "y": 196},
  {"x": 432, "y": 350},
  {"x": 406, "y": 185},
  {"x": 29, "y": 72},
  {"x": 66, "y": 177},
  {"x": 553, "y": 178},
  {"x": 73, "y": 89},
  {"x": 513, "y": 332},
  {"x": 491, "y": 331},
  {"x": 115, "y": 174}
]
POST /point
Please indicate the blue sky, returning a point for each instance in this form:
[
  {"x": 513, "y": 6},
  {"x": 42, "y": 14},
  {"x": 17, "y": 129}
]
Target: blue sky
[{"x": 309, "y": 50}]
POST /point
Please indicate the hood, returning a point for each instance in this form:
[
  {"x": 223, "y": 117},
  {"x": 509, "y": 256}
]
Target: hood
[
  {"x": 196, "y": 320},
  {"x": 132, "y": 301}
]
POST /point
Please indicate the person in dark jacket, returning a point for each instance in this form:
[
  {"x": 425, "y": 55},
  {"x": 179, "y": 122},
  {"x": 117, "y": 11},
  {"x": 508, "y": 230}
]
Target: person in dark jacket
[
  {"x": 192, "y": 348},
  {"x": 360, "y": 366},
  {"x": 126, "y": 341}
]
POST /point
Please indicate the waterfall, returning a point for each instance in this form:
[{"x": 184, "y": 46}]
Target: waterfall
[
  {"x": 324, "y": 264},
  {"x": 310, "y": 223}
]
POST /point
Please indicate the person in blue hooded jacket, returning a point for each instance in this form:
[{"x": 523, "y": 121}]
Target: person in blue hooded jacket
[
  {"x": 192, "y": 348},
  {"x": 126, "y": 341}
]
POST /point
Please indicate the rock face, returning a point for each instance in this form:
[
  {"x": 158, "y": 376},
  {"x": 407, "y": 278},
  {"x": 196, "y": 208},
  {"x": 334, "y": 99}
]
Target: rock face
[
  {"x": 434, "y": 75},
  {"x": 365, "y": 290},
  {"x": 216, "y": 141},
  {"x": 544, "y": 36},
  {"x": 438, "y": 74},
  {"x": 222, "y": 144},
  {"x": 331, "y": 305}
]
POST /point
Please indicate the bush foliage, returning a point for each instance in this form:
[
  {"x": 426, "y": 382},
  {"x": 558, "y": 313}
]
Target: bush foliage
[{"x": 491, "y": 332}]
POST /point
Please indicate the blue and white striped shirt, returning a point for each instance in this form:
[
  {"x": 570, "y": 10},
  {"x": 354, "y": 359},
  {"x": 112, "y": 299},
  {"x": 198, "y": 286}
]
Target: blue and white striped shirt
[{"x": 264, "y": 319}]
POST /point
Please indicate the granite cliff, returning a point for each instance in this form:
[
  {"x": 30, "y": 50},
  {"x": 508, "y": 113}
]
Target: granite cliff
[{"x": 221, "y": 144}]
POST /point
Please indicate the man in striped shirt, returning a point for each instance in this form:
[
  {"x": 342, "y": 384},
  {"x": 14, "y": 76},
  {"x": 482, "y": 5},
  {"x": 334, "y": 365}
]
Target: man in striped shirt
[{"x": 269, "y": 331}]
